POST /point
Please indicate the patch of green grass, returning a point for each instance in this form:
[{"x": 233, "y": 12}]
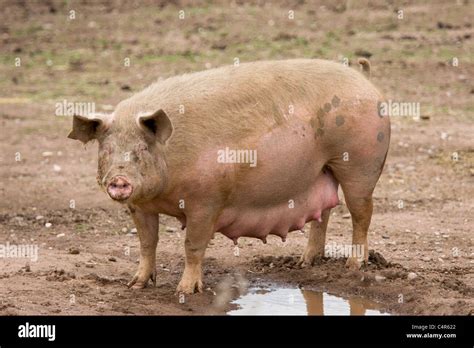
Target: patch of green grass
[
  {"x": 27, "y": 31},
  {"x": 170, "y": 58},
  {"x": 40, "y": 57},
  {"x": 301, "y": 41},
  {"x": 195, "y": 11},
  {"x": 389, "y": 24},
  {"x": 332, "y": 36},
  {"x": 426, "y": 53},
  {"x": 8, "y": 59},
  {"x": 80, "y": 228}
]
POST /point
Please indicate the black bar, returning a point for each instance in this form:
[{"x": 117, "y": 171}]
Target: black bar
[{"x": 291, "y": 331}]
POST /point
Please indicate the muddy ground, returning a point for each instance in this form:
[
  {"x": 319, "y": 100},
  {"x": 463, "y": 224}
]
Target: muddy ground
[{"x": 423, "y": 221}]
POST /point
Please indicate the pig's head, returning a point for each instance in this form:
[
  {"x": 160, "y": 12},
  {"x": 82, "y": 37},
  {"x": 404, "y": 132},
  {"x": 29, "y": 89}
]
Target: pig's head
[{"x": 132, "y": 163}]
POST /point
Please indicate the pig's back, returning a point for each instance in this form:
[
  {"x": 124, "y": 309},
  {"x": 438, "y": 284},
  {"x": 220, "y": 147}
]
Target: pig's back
[
  {"x": 263, "y": 82},
  {"x": 229, "y": 104}
]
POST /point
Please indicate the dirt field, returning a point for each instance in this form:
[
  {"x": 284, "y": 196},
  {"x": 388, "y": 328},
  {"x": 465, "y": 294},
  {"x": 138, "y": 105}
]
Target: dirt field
[{"x": 423, "y": 220}]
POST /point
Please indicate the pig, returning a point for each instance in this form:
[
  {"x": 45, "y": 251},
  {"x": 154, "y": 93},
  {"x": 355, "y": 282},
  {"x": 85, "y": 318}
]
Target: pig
[{"x": 249, "y": 150}]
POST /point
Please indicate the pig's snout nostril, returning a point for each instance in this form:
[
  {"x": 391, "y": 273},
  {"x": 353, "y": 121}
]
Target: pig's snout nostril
[
  {"x": 119, "y": 188},
  {"x": 121, "y": 185}
]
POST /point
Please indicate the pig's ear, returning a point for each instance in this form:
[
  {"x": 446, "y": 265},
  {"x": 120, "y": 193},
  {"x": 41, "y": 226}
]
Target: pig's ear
[
  {"x": 85, "y": 128},
  {"x": 158, "y": 123}
]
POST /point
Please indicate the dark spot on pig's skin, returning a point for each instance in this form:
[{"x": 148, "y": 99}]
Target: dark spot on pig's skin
[
  {"x": 339, "y": 120},
  {"x": 320, "y": 116},
  {"x": 327, "y": 107},
  {"x": 335, "y": 101},
  {"x": 312, "y": 122},
  {"x": 380, "y": 137},
  {"x": 321, "y": 122},
  {"x": 320, "y": 132},
  {"x": 320, "y": 113}
]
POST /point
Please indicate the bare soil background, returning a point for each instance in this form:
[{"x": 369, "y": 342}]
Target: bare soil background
[{"x": 423, "y": 221}]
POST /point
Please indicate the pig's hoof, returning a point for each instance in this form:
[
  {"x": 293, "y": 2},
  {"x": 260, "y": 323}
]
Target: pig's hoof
[
  {"x": 308, "y": 258},
  {"x": 353, "y": 264},
  {"x": 303, "y": 263},
  {"x": 139, "y": 282},
  {"x": 189, "y": 287}
]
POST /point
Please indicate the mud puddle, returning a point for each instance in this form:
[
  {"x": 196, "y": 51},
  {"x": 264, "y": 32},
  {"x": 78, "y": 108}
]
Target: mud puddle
[{"x": 295, "y": 301}]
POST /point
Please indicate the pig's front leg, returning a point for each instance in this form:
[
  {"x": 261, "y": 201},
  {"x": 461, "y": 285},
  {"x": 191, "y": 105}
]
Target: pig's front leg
[
  {"x": 198, "y": 234},
  {"x": 148, "y": 226}
]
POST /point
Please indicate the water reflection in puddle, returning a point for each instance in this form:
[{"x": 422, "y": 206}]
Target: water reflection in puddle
[{"x": 294, "y": 301}]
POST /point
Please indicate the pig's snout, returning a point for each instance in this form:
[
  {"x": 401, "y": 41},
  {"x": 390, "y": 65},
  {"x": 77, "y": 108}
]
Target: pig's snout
[{"x": 119, "y": 188}]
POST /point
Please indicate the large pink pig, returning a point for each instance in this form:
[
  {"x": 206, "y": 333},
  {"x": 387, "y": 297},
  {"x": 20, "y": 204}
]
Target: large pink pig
[{"x": 246, "y": 150}]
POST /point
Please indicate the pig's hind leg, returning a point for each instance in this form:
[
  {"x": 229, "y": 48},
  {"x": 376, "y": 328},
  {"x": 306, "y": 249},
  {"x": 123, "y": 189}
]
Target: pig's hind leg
[
  {"x": 316, "y": 241},
  {"x": 358, "y": 179},
  {"x": 364, "y": 150}
]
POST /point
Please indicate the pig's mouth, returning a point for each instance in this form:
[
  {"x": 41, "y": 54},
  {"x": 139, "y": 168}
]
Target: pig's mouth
[{"x": 119, "y": 188}]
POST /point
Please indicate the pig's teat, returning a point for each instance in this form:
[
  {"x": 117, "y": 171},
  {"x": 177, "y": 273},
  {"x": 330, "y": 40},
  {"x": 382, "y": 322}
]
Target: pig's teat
[{"x": 119, "y": 188}]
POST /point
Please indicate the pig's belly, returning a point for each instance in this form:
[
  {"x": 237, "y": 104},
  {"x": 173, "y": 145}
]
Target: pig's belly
[{"x": 280, "y": 217}]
